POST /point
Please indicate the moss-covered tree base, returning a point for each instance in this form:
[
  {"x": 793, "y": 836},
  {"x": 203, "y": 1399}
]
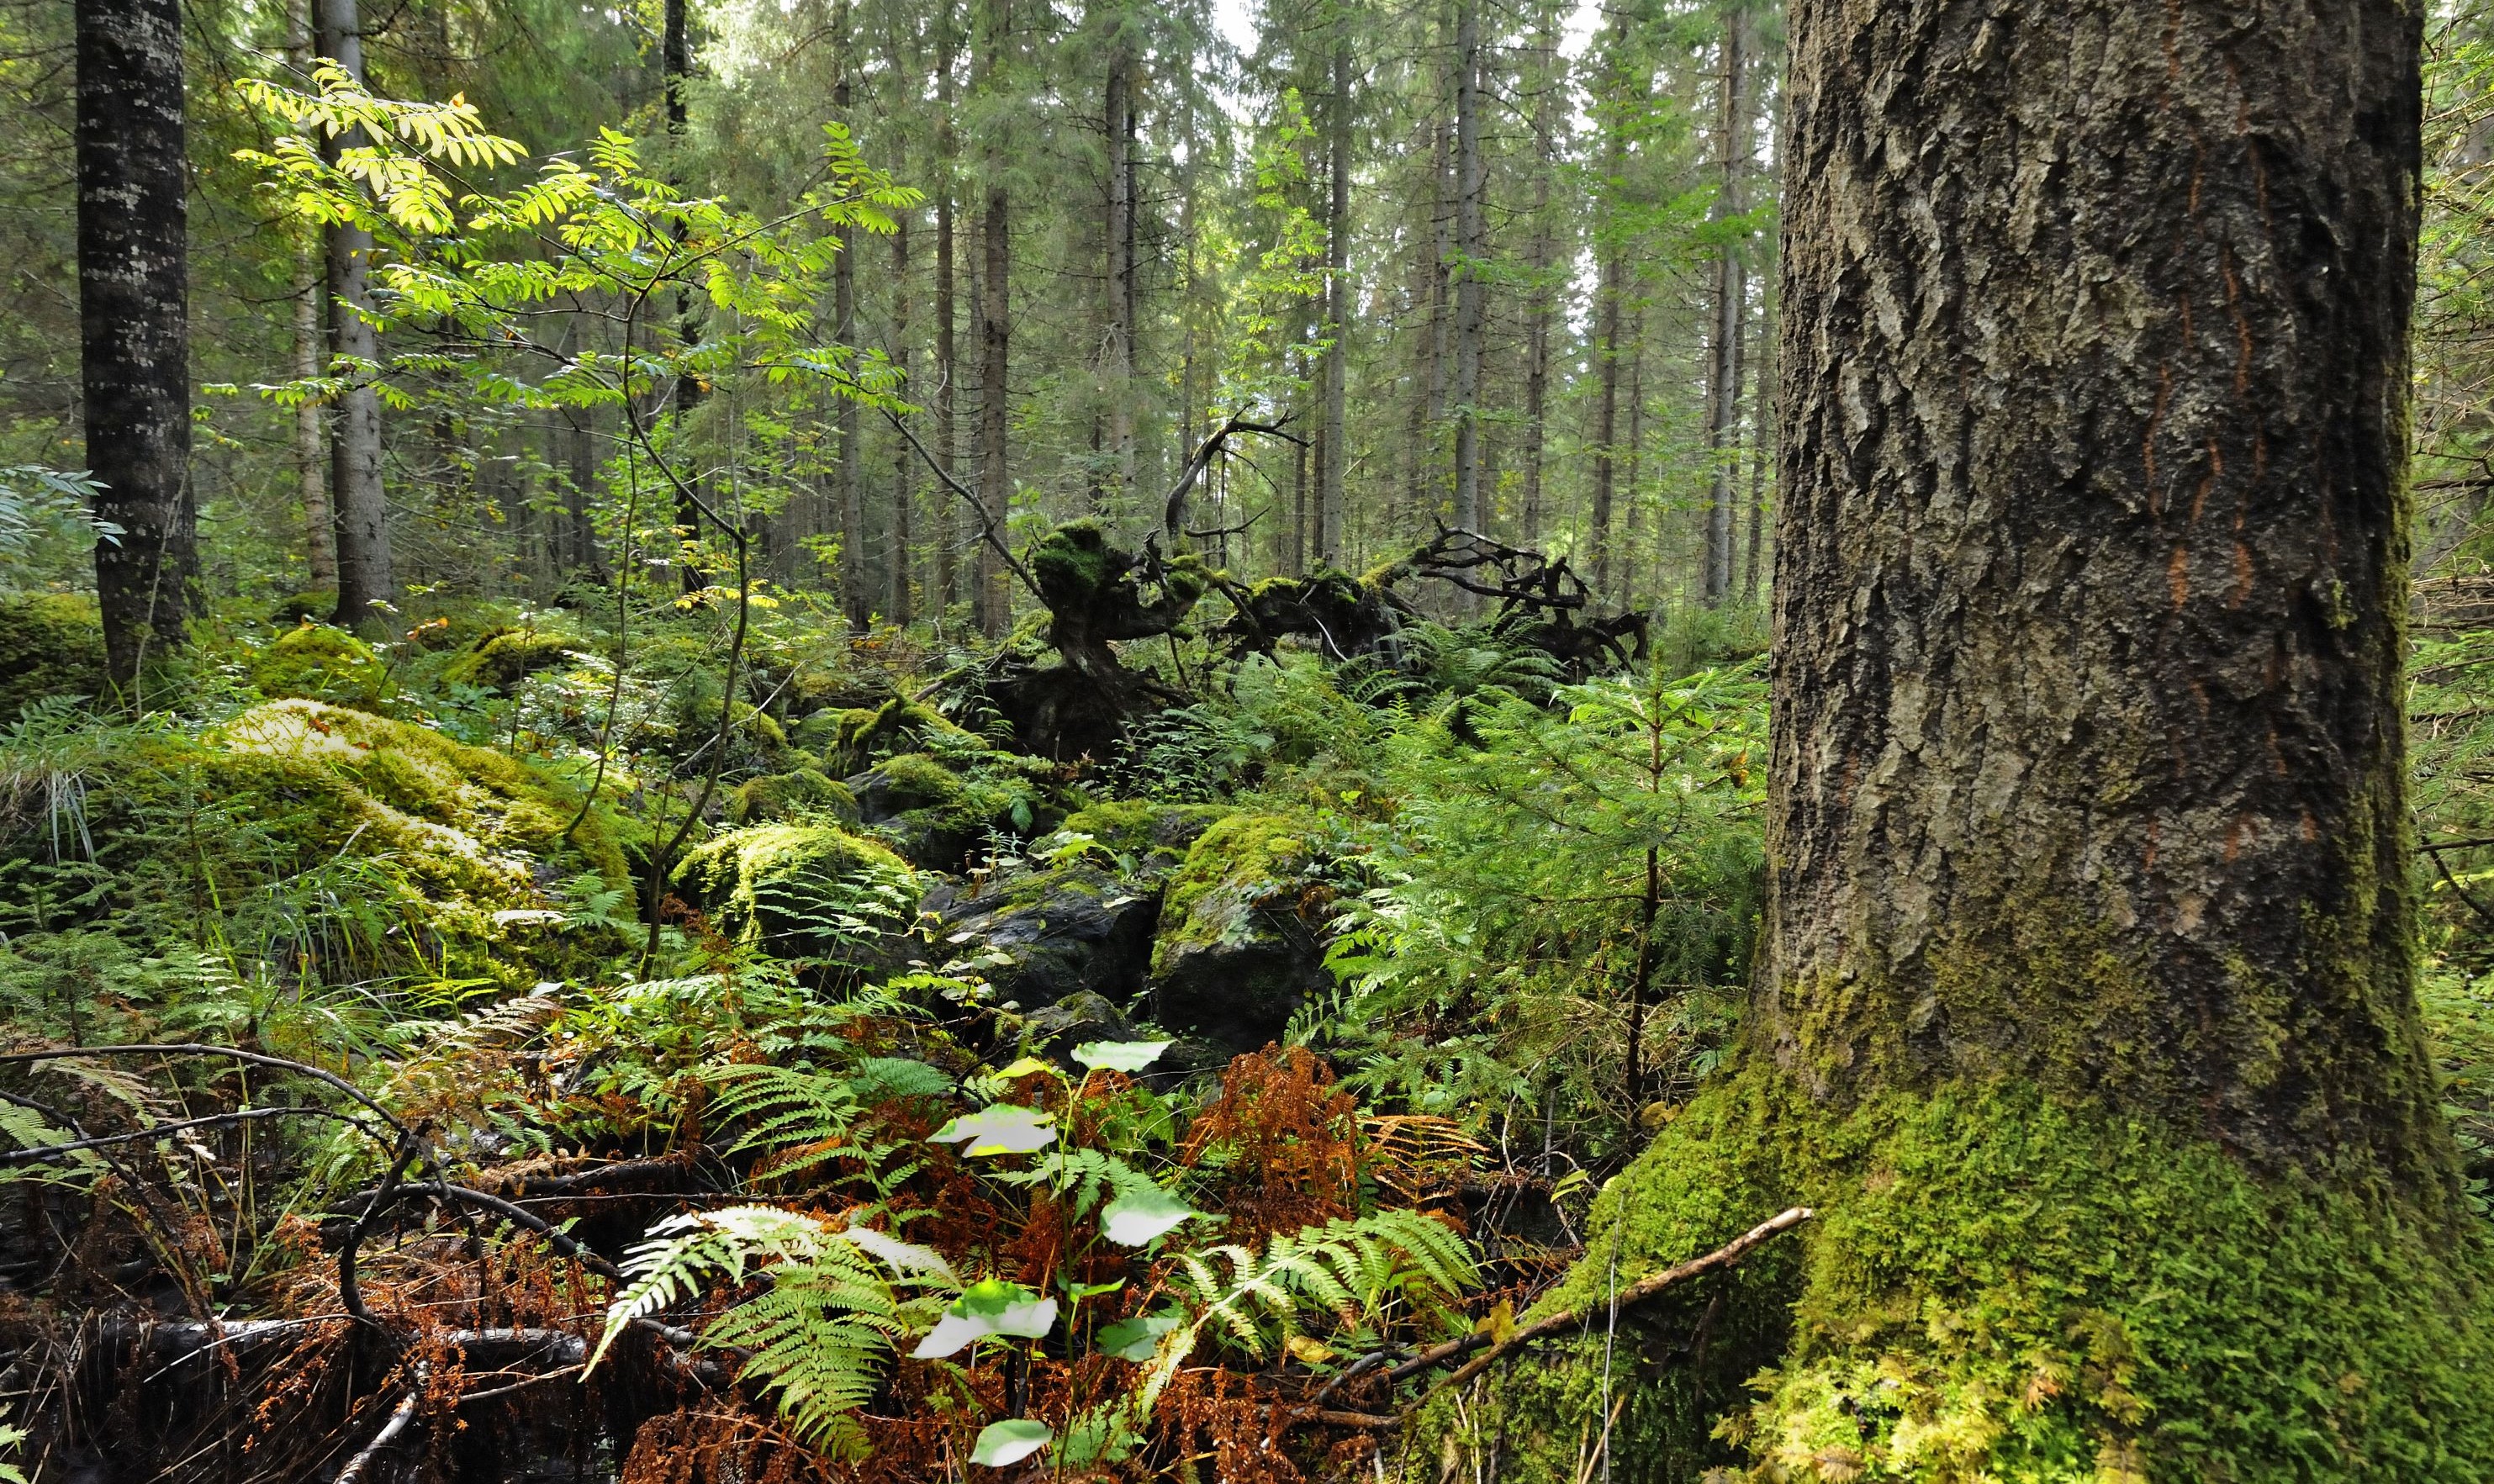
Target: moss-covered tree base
[{"x": 2000, "y": 1287}]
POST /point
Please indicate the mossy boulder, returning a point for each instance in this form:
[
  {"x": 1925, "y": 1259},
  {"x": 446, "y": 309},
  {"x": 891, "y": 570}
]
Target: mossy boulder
[
  {"x": 319, "y": 662},
  {"x": 1047, "y": 936},
  {"x": 51, "y": 644},
  {"x": 939, "y": 811},
  {"x": 1240, "y": 944},
  {"x": 501, "y": 660},
  {"x": 804, "y": 793},
  {"x": 1154, "y": 837},
  {"x": 808, "y": 890},
  {"x": 464, "y": 840}
]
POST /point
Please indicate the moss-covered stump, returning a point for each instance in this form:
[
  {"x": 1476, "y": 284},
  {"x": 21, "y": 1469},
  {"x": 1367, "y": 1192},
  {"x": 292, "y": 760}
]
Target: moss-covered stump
[
  {"x": 1240, "y": 948},
  {"x": 804, "y": 890},
  {"x": 51, "y": 644},
  {"x": 320, "y": 662},
  {"x": 2000, "y": 1286},
  {"x": 860, "y": 738}
]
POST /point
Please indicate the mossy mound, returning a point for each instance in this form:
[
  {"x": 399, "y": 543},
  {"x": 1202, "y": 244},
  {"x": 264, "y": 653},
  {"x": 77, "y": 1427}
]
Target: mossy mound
[
  {"x": 2001, "y": 1286},
  {"x": 1154, "y": 837},
  {"x": 804, "y": 890},
  {"x": 51, "y": 644},
  {"x": 459, "y": 841},
  {"x": 501, "y": 660},
  {"x": 466, "y": 818},
  {"x": 806, "y": 791},
  {"x": 860, "y": 738},
  {"x": 1239, "y": 946},
  {"x": 938, "y": 814},
  {"x": 317, "y": 662}
]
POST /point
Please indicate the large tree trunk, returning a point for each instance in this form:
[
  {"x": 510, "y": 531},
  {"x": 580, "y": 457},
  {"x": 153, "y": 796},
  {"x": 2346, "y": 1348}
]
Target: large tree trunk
[
  {"x": 311, "y": 434},
  {"x": 1120, "y": 261},
  {"x": 2085, "y": 1022},
  {"x": 948, "y": 370},
  {"x": 1731, "y": 301},
  {"x": 1472, "y": 242},
  {"x": 1333, "y": 437},
  {"x": 2090, "y": 608},
  {"x": 364, "y": 575},
  {"x": 134, "y": 322},
  {"x": 995, "y": 336}
]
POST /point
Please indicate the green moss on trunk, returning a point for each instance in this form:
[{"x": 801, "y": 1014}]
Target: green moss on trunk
[{"x": 2002, "y": 1286}]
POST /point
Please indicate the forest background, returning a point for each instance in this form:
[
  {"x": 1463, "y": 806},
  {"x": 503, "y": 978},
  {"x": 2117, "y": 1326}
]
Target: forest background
[{"x": 671, "y": 721}]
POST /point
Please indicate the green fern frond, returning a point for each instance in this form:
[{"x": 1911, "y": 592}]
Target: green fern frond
[{"x": 820, "y": 1334}]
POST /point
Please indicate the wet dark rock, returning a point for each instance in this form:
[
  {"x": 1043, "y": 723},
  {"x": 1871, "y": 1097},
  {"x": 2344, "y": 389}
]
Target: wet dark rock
[{"x": 1045, "y": 937}]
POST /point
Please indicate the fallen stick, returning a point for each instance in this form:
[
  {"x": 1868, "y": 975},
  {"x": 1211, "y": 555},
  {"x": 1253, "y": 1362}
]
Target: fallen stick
[
  {"x": 1634, "y": 1293},
  {"x": 397, "y": 1424}
]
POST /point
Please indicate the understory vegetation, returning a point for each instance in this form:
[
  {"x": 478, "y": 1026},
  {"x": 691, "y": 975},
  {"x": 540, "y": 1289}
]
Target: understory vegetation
[{"x": 1134, "y": 1113}]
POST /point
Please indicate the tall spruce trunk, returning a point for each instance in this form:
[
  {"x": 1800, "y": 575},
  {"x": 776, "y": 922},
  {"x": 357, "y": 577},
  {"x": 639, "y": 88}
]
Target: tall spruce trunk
[
  {"x": 1472, "y": 246},
  {"x": 1333, "y": 435},
  {"x": 848, "y": 489},
  {"x": 900, "y": 598},
  {"x": 1731, "y": 301},
  {"x": 311, "y": 433},
  {"x": 1609, "y": 269},
  {"x": 995, "y": 339},
  {"x": 1119, "y": 235},
  {"x": 364, "y": 574},
  {"x": 948, "y": 369},
  {"x": 134, "y": 323},
  {"x": 2085, "y": 1021},
  {"x": 675, "y": 77},
  {"x": 1543, "y": 309}
]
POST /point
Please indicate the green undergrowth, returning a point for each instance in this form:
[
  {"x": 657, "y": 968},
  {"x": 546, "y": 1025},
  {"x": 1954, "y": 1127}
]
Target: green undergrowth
[
  {"x": 50, "y": 644},
  {"x": 804, "y": 890},
  {"x": 317, "y": 662},
  {"x": 2000, "y": 1287}
]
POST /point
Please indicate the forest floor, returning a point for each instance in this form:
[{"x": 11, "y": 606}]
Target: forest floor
[{"x": 506, "y": 1052}]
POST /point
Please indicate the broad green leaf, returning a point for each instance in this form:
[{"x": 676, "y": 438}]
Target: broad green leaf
[
  {"x": 1142, "y": 1214},
  {"x": 1002, "y": 1444},
  {"x": 988, "y": 1306},
  {"x": 1135, "y": 1339},
  {"x": 1120, "y": 1055},
  {"x": 1004, "y": 1129}
]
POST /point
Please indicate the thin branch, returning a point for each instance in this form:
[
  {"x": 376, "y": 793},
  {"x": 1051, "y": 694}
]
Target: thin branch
[
  {"x": 230, "y": 1054},
  {"x": 1173, "y": 508},
  {"x": 48, "y": 1152},
  {"x": 1644, "y": 1288},
  {"x": 986, "y": 519},
  {"x": 397, "y": 1424}
]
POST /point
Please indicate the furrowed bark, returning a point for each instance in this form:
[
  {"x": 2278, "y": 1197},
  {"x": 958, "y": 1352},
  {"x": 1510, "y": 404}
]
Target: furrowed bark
[
  {"x": 134, "y": 325},
  {"x": 2091, "y": 567}
]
